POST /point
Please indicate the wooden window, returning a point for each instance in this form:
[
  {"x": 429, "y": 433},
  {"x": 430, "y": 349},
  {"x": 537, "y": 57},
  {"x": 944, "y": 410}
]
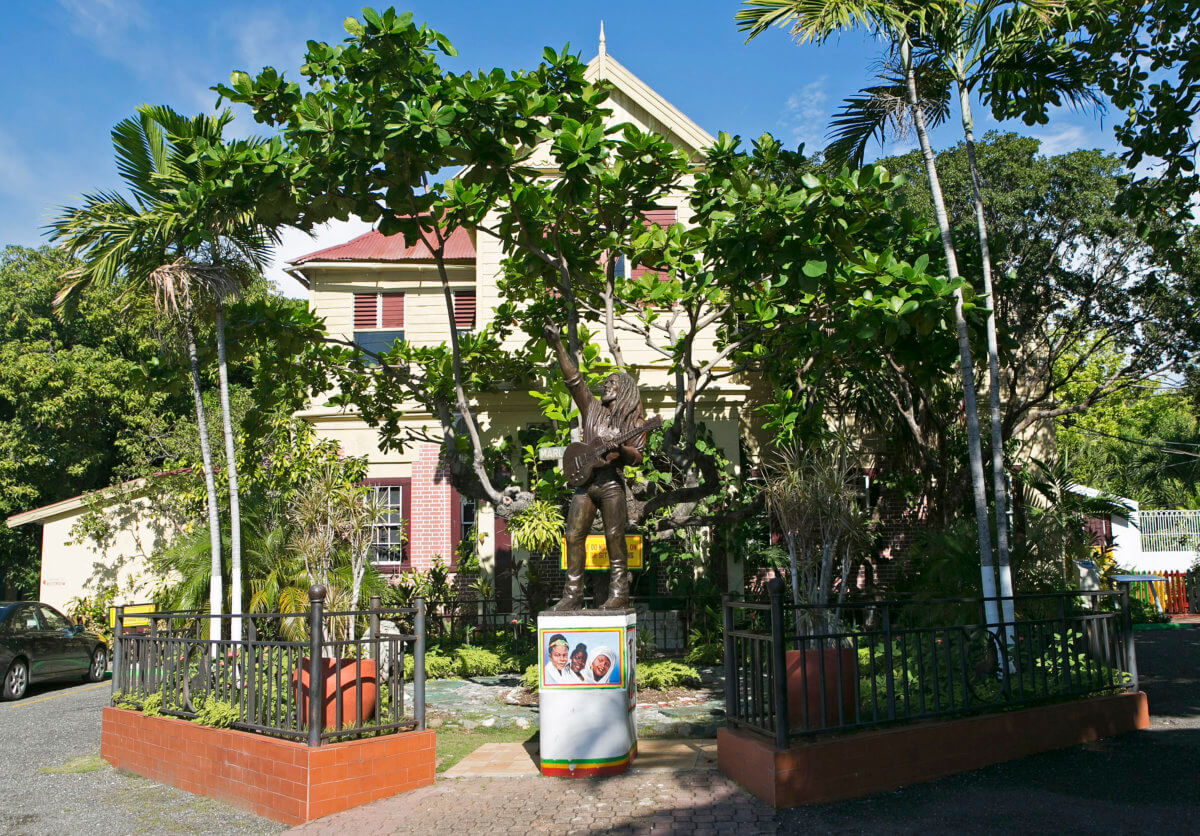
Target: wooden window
[
  {"x": 366, "y": 310},
  {"x": 464, "y": 310},
  {"x": 389, "y": 540},
  {"x": 378, "y": 320},
  {"x": 391, "y": 310},
  {"x": 662, "y": 218}
]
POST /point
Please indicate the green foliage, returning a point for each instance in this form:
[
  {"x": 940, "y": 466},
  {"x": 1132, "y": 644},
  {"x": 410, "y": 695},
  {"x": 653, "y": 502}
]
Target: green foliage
[
  {"x": 92, "y": 612},
  {"x": 1101, "y": 315},
  {"x": 436, "y": 666},
  {"x": 79, "y": 397},
  {"x": 532, "y": 676},
  {"x": 539, "y": 528},
  {"x": 215, "y": 712},
  {"x": 152, "y": 705},
  {"x": 662, "y": 675},
  {"x": 1144, "y": 612},
  {"x": 476, "y": 661},
  {"x": 705, "y": 653}
]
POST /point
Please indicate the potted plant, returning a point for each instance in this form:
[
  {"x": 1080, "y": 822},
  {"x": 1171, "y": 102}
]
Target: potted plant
[{"x": 810, "y": 498}]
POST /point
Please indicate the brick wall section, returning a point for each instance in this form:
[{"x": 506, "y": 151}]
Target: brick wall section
[
  {"x": 899, "y": 525},
  {"x": 278, "y": 779},
  {"x": 429, "y": 528},
  {"x": 865, "y": 763}
]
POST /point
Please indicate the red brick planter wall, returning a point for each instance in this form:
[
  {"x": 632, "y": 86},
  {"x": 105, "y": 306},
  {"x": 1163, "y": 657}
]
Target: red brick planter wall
[
  {"x": 865, "y": 763},
  {"x": 278, "y": 779}
]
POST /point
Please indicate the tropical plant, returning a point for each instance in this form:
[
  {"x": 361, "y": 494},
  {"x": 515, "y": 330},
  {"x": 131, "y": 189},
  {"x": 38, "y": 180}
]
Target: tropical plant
[
  {"x": 902, "y": 24},
  {"x": 174, "y": 238},
  {"x": 810, "y": 497}
]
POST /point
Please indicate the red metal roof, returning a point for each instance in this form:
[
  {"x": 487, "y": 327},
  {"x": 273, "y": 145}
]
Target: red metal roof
[{"x": 374, "y": 246}]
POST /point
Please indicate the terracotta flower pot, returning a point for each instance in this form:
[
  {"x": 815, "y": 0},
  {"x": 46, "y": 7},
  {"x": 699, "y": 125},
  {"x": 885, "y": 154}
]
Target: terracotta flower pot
[
  {"x": 804, "y": 685},
  {"x": 340, "y": 677}
]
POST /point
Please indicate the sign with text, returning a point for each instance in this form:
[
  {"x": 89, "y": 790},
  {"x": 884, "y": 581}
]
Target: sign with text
[{"x": 597, "y": 552}]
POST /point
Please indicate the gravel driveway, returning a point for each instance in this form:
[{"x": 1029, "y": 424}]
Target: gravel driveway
[{"x": 52, "y": 780}]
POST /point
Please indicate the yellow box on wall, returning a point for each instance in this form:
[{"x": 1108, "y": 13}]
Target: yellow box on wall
[{"x": 597, "y": 552}]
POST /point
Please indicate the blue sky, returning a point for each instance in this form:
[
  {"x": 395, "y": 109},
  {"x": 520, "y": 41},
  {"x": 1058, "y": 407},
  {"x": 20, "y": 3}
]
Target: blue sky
[{"x": 77, "y": 67}]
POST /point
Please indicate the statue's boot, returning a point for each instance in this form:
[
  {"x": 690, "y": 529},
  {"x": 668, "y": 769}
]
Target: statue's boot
[
  {"x": 618, "y": 590},
  {"x": 572, "y": 597}
]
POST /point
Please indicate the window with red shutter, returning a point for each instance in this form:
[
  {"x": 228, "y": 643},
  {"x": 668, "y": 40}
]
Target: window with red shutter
[
  {"x": 464, "y": 310},
  {"x": 378, "y": 320},
  {"x": 365, "y": 310},
  {"x": 392, "y": 313},
  {"x": 662, "y": 218}
]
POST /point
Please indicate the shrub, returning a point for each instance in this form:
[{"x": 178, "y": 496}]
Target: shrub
[
  {"x": 663, "y": 675},
  {"x": 531, "y": 678},
  {"x": 475, "y": 661},
  {"x": 517, "y": 662},
  {"x": 216, "y": 713},
  {"x": 436, "y": 667},
  {"x": 705, "y": 654},
  {"x": 1143, "y": 612},
  {"x": 152, "y": 705}
]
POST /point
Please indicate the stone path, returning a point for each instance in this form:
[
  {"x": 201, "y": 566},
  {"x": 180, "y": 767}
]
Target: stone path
[
  {"x": 489, "y": 702},
  {"x": 519, "y": 760}
]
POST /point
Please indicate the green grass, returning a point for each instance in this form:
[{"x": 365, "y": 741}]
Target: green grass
[
  {"x": 75, "y": 766},
  {"x": 454, "y": 744}
]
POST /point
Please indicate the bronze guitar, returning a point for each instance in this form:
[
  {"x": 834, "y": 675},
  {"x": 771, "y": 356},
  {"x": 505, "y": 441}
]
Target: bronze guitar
[{"x": 580, "y": 459}]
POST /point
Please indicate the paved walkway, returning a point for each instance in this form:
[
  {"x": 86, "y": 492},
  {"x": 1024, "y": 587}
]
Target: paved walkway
[{"x": 1142, "y": 782}]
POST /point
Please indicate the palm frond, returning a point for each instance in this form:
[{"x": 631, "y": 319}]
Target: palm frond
[{"x": 883, "y": 109}]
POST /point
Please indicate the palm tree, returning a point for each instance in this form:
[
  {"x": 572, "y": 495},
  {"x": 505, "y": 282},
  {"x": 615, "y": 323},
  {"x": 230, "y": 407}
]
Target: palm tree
[
  {"x": 962, "y": 49},
  {"x": 179, "y": 238},
  {"x": 900, "y": 23}
]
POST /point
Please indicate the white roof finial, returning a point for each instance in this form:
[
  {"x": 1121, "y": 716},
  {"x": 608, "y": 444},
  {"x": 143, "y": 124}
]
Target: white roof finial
[{"x": 602, "y": 37}]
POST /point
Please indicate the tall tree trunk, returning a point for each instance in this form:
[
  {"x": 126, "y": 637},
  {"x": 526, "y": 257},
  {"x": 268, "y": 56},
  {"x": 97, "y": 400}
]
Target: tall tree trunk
[
  {"x": 216, "y": 586},
  {"x": 235, "y": 509},
  {"x": 987, "y": 570},
  {"x": 999, "y": 489}
]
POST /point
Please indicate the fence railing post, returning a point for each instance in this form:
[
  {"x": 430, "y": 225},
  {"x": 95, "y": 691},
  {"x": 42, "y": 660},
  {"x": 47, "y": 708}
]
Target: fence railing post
[
  {"x": 118, "y": 649},
  {"x": 779, "y": 664},
  {"x": 316, "y": 685},
  {"x": 375, "y": 603},
  {"x": 889, "y": 678},
  {"x": 419, "y": 663},
  {"x": 730, "y": 663},
  {"x": 1127, "y": 628}
]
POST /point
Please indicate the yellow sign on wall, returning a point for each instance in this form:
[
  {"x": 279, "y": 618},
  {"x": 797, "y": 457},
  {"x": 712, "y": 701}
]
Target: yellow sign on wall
[{"x": 597, "y": 552}]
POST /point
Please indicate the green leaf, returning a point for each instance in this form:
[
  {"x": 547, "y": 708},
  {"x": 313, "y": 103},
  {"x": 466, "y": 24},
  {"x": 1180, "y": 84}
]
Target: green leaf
[{"x": 814, "y": 268}]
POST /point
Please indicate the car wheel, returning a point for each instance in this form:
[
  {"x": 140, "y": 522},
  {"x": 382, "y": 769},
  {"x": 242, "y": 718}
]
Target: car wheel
[
  {"x": 16, "y": 680},
  {"x": 99, "y": 665}
]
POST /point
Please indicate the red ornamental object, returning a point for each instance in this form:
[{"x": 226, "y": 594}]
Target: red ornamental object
[{"x": 341, "y": 678}]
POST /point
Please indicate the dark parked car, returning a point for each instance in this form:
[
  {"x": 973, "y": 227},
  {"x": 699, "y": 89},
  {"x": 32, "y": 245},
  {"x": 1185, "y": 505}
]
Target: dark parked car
[{"x": 38, "y": 643}]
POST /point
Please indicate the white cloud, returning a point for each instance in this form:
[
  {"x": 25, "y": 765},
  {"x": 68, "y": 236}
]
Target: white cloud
[
  {"x": 1064, "y": 140},
  {"x": 297, "y": 243},
  {"x": 806, "y": 115}
]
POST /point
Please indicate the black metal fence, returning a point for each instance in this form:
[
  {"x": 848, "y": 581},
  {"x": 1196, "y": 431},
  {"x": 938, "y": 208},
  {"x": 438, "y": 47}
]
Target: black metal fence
[
  {"x": 315, "y": 676},
  {"x": 797, "y": 671}
]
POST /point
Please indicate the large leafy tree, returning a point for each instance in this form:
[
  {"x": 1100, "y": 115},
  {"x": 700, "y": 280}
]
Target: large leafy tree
[
  {"x": 957, "y": 55},
  {"x": 174, "y": 239},
  {"x": 352, "y": 144},
  {"x": 78, "y": 399},
  {"x": 1142, "y": 56},
  {"x": 1076, "y": 283},
  {"x": 902, "y": 26}
]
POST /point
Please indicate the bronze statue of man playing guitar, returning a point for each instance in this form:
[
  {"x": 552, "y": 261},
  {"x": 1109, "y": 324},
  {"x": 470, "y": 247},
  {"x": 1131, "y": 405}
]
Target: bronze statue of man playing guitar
[{"x": 604, "y": 421}]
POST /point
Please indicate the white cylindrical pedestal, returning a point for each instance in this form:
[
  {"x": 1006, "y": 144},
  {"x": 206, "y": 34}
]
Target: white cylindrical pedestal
[{"x": 587, "y": 711}]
